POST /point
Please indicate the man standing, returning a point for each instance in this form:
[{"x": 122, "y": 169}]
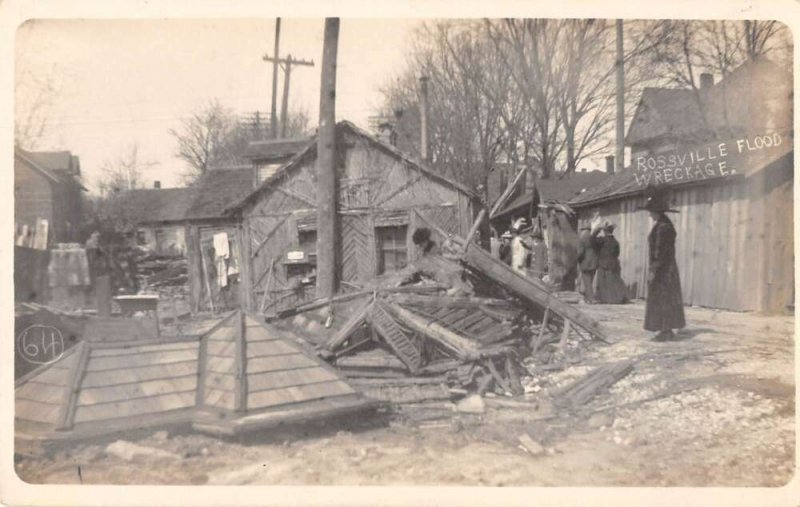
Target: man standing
[
  {"x": 587, "y": 263},
  {"x": 664, "y": 308}
]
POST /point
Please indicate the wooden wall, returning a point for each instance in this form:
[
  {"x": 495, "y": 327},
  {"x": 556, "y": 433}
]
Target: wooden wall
[
  {"x": 735, "y": 244},
  {"x": 376, "y": 188},
  {"x": 33, "y": 196}
]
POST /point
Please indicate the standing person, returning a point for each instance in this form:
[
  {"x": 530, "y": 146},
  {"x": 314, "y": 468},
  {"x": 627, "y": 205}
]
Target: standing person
[
  {"x": 608, "y": 285},
  {"x": 587, "y": 263},
  {"x": 505, "y": 248},
  {"x": 664, "y": 309},
  {"x": 519, "y": 250},
  {"x": 538, "y": 254}
]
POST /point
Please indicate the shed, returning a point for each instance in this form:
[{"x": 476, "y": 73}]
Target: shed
[{"x": 380, "y": 192}]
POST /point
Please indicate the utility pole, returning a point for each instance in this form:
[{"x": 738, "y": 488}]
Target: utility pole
[
  {"x": 620, "y": 152},
  {"x": 326, "y": 166},
  {"x": 287, "y": 63},
  {"x": 274, "y": 111},
  {"x": 423, "y": 112}
]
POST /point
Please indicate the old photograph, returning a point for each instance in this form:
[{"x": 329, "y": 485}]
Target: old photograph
[{"x": 452, "y": 251}]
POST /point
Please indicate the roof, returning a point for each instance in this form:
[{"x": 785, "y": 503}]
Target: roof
[
  {"x": 151, "y": 205},
  {"x": 757, "y": 92},
  {"x": 275, "y": 148},
  {"x": 623, "y": 184},
  {"x": 310, "y": 150},
  {"x": 216, "y": 190},
  {"x": 557, "y": 189},
  {"x": 97, "y": 387},
  {"x": 57, "y": 166}
]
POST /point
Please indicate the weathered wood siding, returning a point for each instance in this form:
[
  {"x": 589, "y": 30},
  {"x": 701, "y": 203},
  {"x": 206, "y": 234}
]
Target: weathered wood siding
[
  {"x": 205, "y": 293},
  {"x": 376, "y": 188},
  {"x": 735, "y": 244}
]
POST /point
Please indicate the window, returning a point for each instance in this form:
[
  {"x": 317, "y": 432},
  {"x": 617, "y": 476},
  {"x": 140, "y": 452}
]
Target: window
[
  {"x": 308, "y": 244},
  {"x": 392, "y": 248},
  {"x": 141, "y": 238}
]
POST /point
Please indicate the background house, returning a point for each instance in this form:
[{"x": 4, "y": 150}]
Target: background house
[
  {"x": 382, "y": 198},
  {"x": 735, "y": 234},
  {"x": 156, "y": 216},
  {"x": 47, "y": 187}
]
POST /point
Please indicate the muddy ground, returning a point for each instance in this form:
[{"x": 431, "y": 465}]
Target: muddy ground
[{"x": 715, "y": 408}]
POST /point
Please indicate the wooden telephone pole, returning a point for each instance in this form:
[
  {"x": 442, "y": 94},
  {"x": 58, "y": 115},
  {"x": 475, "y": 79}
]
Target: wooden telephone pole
[
  {"x": 273, "y": 119},
  {"x": 326, "y": 166},
  {"x": 286, "y": 65}
]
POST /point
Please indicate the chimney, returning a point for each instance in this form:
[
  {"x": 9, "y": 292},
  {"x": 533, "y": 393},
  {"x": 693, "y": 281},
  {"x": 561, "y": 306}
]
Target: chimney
[
  {"x": 706, "y": 81},
  {"x": 156, "y": 184},
  {"x": 610, "y": 164},
  {"x": 423, "y": 113}
]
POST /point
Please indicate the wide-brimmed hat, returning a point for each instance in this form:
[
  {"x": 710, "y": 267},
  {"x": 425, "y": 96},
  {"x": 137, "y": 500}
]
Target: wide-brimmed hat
[
  {"x": 657, "y": 200},
  {"x": 506, "y": 235}
]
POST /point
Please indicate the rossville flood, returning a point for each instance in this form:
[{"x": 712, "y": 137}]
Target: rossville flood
[{"x": 710, "y": 161}]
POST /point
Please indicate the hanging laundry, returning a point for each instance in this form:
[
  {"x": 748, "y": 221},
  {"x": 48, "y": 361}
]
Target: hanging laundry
[{"x": 221, "y": 245}]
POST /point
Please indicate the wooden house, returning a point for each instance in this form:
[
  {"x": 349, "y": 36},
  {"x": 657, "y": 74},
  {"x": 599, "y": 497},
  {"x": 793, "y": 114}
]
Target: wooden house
[
  {"x": 47, "y": 187},
  {"x": 381, "y": 194},
  {"x": 735, "y": 236},
  {"x": 157, "y": 215}
]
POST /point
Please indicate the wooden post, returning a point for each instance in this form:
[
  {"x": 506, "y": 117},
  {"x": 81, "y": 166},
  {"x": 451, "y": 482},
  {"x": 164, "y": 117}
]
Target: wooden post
[
  {"x": 245, "y": 268},
  {"x": 66, "y": 414},
  {"x": 538, "y": 343},
  {"x": 195, "y": 269},
  {"x": 423, "y": 113},
  {"x": 273, "y": 117},
  {"x": 326, "y": 166},
  {"x": 240, "y": 395},
  {"x": 102, "y": 295}
]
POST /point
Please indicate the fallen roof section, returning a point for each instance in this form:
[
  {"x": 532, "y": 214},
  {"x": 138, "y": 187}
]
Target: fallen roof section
[{"x": 241, "y": 375}]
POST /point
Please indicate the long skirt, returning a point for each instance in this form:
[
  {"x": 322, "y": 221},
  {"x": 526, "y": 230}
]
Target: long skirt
[
  {"x": 664, "y": 308},
  {"x": 609, "y": 287}
]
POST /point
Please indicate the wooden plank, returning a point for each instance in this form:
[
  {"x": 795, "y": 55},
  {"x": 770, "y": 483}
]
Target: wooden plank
[
  {"x": 97, "y": 395},
  {"x": 459, "y": 345},
  {"x": 194, "y": 267},
  {"x": 66, "y": 413},
  {"x": 126, "y": 351},
  {"x": 502, "y": 274},
  {"x": 220, "y": 348},
  {"x": 226, "y": 381},
  {"x": 297, "y": 377},
  {"x": 122, "y": 376},
  {"x": 240, "y": 366},
  {"x": 144, "y": 359},
  {"x": 274, "y": 363},
  {"x": 353, "y": 323},
  {"x": 400, "y": 343},
  {"x": 38, "y": 412},
  {"x": 42, "y": 393},
  {"x": 245, "y": 265},
  {"x": 538, "y": 342},
  {"x": 137, "y": 407},
  {"x": 290, "y": 395}
]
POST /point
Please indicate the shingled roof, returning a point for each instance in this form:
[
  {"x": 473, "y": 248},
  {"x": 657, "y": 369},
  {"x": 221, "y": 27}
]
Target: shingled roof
[
  {"x": 217, "y": 190},
  {"x": 558, "y": 189},
  {"x": 155, "y": 205},
  {"x": 275, "y": 148},
  {"x": 58, "y": 166},
  {"x": 757, "y": 92}
]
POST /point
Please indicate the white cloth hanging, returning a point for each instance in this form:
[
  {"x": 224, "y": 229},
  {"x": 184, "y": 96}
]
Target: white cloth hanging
[{"x": 221, "y": 245}]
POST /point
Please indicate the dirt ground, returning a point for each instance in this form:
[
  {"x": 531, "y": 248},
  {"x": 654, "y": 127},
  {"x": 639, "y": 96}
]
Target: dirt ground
[{"x": 714, "y": 408}]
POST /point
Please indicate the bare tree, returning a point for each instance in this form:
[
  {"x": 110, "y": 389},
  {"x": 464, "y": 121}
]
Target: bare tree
[
  {"x": 34, "y": 97},
  {"x": 123, "y": 173},
  {"x": 214, "y": 136}
]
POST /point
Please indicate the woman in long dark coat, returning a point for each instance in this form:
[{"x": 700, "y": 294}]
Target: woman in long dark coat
[
  {"x": 608, "y": 285},
  {"x": 664, "y": 310}
]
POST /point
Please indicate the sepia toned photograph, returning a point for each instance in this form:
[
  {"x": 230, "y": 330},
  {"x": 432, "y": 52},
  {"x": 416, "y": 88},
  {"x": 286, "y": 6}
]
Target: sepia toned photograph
[{"x": 338, "y": 251}]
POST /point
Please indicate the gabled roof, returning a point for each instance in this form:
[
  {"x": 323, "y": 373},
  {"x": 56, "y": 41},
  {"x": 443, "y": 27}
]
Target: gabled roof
[
  {"x": 757, "y": 92},
  {"x": 310, "y": 150},
  {"x": 155, "y": 205},
  {"x": 275, "y": 148},
  {"x": 556, "y": 189},
  {"x": 217, "y": 190},
  {"x": 59, "y": 166}
]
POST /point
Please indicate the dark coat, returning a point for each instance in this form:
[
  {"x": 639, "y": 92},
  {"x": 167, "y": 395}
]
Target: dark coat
[
  {"x": 608, "y": 253},
  {"x": 587, "y": 255},
  {"x": 609, "y": 286},
  {"x": 664, "y": 308}
]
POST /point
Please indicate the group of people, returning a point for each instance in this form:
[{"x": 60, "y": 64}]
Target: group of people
[
  {"x": 523, "y": 249},
  {"x": 598, "y": 264}
]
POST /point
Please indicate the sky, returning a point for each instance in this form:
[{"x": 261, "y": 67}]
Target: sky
[{"x": 122, "y": 83}]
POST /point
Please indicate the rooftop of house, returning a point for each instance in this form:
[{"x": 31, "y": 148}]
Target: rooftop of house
[
  {"x": 155, "y": 205},
  {"x": 217, "y": 190},
  {"x": 559, "y": 189},
  {"x": 61, "y": 166},
  {"x": 273, "y": 149},
  {"x": 757, "y": 94}
]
